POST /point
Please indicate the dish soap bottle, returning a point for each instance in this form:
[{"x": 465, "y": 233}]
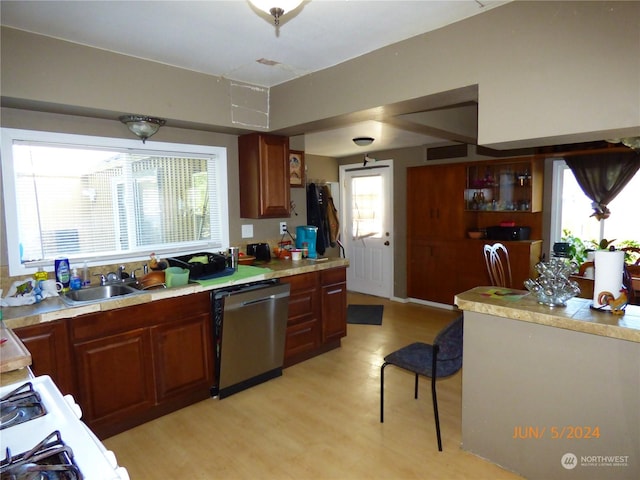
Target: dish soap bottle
[
  {"x": 62, "y": 272},
  {"x": 40, "y": 275},
  {"x": 76, "y": 282}
]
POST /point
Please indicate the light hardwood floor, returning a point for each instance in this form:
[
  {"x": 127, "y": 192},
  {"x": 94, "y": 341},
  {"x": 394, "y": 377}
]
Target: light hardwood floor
[{"x": 320, "y": 420}]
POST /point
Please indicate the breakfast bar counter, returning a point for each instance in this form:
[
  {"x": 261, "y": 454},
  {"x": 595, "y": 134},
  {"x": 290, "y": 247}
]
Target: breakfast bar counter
[{"x": 550, "y": 392}]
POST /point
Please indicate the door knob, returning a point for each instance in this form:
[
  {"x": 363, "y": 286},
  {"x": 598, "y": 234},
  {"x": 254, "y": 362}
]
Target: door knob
[{"x": 387, "y": 243}]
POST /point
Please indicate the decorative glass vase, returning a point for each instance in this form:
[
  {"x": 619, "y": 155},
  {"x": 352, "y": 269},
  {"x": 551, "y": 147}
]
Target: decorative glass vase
[{"x": 553, "y": 287}]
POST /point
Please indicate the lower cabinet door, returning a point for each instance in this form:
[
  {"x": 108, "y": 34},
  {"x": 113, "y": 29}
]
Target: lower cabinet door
[
  {"x": 431, "y": 267},
  {"x": 183, "y": 355},
  {"x": 302, "y": 338},
  {"x": 113, "y": 377},
  {"x": 334, "y": 304},
  {"x": 48, "y": 344}
]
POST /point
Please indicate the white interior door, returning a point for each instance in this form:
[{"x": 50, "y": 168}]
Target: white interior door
[{"x": 367, "y": 226}]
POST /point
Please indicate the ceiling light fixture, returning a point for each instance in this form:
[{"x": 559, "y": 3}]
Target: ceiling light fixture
[
  {"x": 143, "y": 126},
  {"x": 279, "y": 9},
  {"x": 363, "y": 141}
]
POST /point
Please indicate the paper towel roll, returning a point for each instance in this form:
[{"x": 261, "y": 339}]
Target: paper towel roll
[{"x": 609, "y": 267}]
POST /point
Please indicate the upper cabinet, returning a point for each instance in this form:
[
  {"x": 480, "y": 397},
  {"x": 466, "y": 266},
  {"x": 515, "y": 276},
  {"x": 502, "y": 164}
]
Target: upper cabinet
[
  {"x": 431, "y": 213},
  {"x": 264, "y": 176},
  {"x": 504, "y": 186}
]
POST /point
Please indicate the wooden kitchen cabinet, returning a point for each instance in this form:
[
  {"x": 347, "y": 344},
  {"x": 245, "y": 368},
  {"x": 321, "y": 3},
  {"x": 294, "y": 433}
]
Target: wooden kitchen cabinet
[
  {"x": 432, "y": 264},
  {"x": 432, "y": 211},
  {"x": 441, "y": 260},
  {"x": 115, "y": 377},
  {"x": 317, "y": 314},
  {"x": 434, "y": 220},
  {"x": 446, "y": 268},
  {"x": 50, "y": 351},
  {"x": 140, "y": 362},
  {"x": 334, "y": 304},
  {"x": 304, "y": 325},
  {"x": 264, "y": 176},
  {"x": 179, "y": 369}
]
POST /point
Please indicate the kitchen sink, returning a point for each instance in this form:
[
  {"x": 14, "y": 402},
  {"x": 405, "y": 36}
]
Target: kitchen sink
[{"x": 97, "y": 294}]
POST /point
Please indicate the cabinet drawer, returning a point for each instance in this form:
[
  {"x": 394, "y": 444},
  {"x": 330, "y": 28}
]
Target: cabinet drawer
[
  {"x": 302, "y": 307},
  {"x": 334, "y": 275},
  {"x": 304, "y": 281},
  {"x": 302, "y": 338}
]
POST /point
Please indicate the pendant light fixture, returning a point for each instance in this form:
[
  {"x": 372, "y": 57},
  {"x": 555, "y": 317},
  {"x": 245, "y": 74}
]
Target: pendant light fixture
[
  {"x": 276, "y": 8},
  {"x": 143, "y": 126}
]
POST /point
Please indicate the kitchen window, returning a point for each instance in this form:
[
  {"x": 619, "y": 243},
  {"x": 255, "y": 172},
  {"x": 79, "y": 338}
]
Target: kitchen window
[
  {"x": 572, "y": 211},
  {"x": 107, "y": 201}
]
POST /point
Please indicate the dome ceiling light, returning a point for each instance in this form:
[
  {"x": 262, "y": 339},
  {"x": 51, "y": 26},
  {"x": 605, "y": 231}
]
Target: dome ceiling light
[
  {"x": 363, "y": 141},
  {"x": 143, "y": 126},
  {"x": 276, "y": 8}
]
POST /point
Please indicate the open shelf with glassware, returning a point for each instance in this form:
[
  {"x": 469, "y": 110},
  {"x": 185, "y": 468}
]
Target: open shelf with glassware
[{"x": 513, "y": 185}]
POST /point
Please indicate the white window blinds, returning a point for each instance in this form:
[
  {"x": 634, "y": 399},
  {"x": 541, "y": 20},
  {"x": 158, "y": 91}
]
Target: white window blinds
[{"x": 83, "y": 201}]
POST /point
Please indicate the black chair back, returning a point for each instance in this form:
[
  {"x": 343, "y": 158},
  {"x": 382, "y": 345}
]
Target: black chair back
[{"x": 449, "y": 345}]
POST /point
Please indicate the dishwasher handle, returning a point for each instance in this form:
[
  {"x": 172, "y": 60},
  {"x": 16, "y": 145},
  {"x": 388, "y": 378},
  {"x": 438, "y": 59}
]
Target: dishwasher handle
[
  {"x": 253, "y": 296},
  {"x": 265, "y": 299}
]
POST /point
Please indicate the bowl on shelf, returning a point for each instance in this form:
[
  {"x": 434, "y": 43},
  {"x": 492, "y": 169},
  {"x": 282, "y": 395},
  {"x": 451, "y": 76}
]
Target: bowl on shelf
[{"x": 476, "y": 234}]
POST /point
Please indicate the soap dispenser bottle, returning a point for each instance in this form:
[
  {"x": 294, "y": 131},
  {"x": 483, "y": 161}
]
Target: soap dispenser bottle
[
  {"x": 76, "y": 282},
  {"x": 86, "y": 280},
  {"x": 40, "y": 275}
]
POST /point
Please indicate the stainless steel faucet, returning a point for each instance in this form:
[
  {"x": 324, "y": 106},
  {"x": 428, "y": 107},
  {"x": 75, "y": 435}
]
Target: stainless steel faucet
[{"x": 121, "y": 273}]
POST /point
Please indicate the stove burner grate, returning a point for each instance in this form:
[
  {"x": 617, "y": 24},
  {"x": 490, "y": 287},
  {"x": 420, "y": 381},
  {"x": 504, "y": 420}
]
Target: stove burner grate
[
  {"x": 20, "y": 405},
  {"x": 51, "y": 459}
]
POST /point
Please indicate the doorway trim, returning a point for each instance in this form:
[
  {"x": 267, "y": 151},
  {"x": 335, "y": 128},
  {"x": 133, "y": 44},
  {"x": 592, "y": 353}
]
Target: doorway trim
[{"x": 356, "y": 261}]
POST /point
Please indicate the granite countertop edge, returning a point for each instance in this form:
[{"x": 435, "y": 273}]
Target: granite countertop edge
[
  {"x": 53, "y": 309},
  {"x": 577, "y": 315}
]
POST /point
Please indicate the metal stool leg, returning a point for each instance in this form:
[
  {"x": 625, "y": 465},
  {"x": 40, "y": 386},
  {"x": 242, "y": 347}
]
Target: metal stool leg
[
  {"x": 434, "y": 374},
  {"x": 382, "y": 392},
  {"x": 435, "y": 412}
]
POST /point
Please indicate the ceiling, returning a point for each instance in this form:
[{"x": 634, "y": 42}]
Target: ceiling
[{"x": 234, "y": 40}]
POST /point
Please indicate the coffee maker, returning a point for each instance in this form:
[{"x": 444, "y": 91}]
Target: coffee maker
[{"x": 307, "y": 234}]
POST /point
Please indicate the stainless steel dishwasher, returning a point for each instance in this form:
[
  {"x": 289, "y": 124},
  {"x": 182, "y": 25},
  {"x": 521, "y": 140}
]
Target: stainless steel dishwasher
[{"x": 250, "y": 323}]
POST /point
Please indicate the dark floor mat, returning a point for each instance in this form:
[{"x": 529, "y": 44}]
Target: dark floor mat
[{"x": 365, "y": 314}]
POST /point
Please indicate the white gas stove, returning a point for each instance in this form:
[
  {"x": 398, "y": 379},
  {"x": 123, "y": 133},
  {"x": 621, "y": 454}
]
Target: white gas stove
[{"x": 67, "y": 449}]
